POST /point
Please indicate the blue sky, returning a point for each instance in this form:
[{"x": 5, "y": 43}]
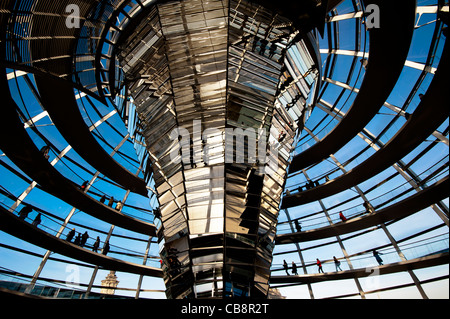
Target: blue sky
[
  {"x": 321, "y": 124},
  {"x": 411, "y": 225}
]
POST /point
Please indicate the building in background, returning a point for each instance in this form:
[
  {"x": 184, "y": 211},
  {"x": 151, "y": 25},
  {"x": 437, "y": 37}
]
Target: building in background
[{"x": 109, "y": 284}]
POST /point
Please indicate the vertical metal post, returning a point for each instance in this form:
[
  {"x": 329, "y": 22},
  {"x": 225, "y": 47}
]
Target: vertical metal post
[
  {"x": 403, "y": 258},
  {"x": 60, "y": 231},
  {"x": 369, "y": 138},
  {"x": 138, "y": 288},
  {"x": 71, "y": 213},
  {"x": 341, "y": 244},
  {"x": 94, "y": 273},
  {"x": 48, "y": 253},
  {"x": 91, "y": 282},
  {"x": 305, "y": 270}
]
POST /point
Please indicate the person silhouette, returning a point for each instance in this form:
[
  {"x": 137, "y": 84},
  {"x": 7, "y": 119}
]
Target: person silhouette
[
  {"x": 319, "y": 264},
  {"x": 294, "y": 269},
  {"x": 285, "y": 266},
  {"x": 37, "y": 220},
  {"x": 337, "y": 263},
  {"x": 377, "y": 257},
  {"x": 96, "y": 245},
  {"x": 70, "y": 235}
]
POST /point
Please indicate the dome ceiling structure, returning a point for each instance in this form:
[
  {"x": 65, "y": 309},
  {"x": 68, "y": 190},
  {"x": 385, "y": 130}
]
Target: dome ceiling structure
[{"x": 116, "y": 117}]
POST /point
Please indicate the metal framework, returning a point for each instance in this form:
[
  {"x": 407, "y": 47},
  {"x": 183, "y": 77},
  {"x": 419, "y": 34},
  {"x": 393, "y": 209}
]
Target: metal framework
[{"x": 166, "y": 100}]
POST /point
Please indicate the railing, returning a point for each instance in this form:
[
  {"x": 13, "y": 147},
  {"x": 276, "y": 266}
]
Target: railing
[
  {"x": 319, "y": 220},
  {"x": 51, "y": 224},
  {"x": 430, "y": 246},
  {"x": 56, "y": 289}
]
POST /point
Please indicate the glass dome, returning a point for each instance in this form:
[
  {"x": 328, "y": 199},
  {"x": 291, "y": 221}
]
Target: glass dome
[{"x": 353, "y": 100}]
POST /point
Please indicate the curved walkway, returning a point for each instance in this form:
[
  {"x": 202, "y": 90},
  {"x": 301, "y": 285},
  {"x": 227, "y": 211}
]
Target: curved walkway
[
  {"x": 406, "y": 207},
  {"x": 389, "y": 46},
  {"x": 413, "y": 264},
  {"x": 14, "y": 226},
  {"x": 431, "y": 112},
  {"x": 52, "y": 63},
  {"x": 18, "y": 146},
  {"x": 59, "y": 101}
]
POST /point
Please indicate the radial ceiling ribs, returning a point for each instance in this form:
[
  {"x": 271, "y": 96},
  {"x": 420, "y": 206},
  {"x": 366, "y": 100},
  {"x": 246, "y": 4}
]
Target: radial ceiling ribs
[
  {"x": 70, "y": 123},
  {"x": 306, "y": 14},
  {"x": 431, "y": 112},
  {"x": 408, "y": 206},
  {"x": 389, "y": 46},
  {"x": 18, "y": 146},
  {"x": 413, "y": 264},
  {"x": 333, "y": 4},
  {"x": 53, "y": 53},
  {"x": 25, "y": 231}
]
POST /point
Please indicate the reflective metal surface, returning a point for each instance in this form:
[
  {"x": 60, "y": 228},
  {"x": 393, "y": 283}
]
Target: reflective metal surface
[{"x": 209, "y": 78}]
